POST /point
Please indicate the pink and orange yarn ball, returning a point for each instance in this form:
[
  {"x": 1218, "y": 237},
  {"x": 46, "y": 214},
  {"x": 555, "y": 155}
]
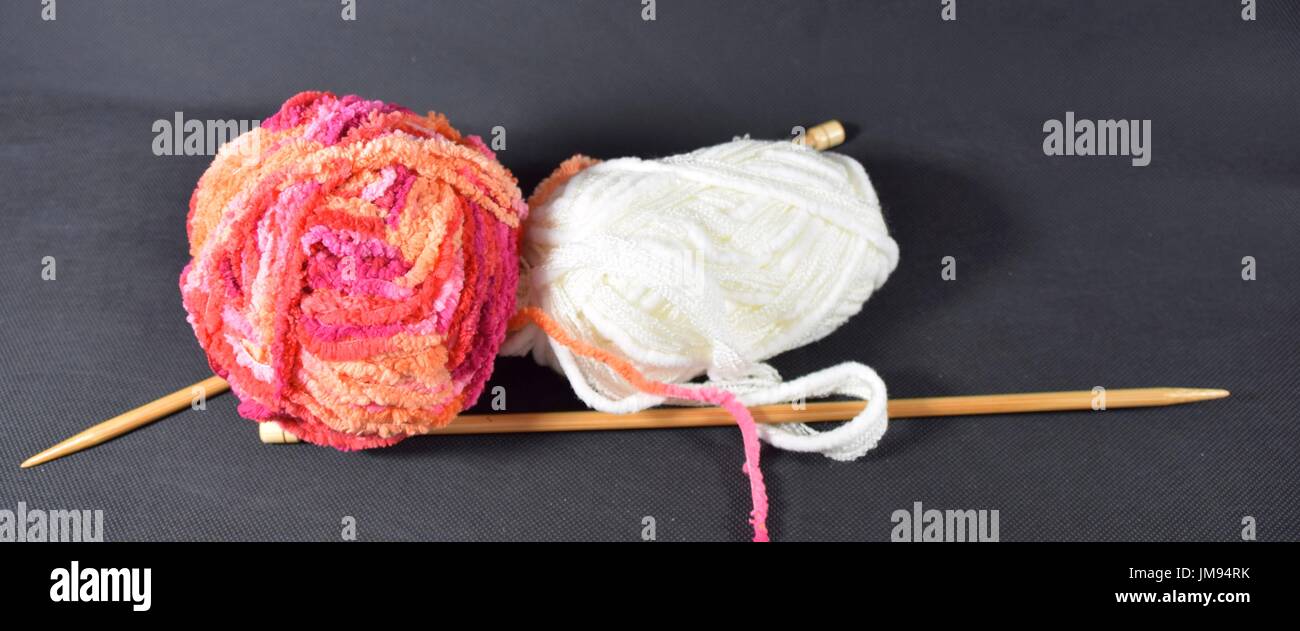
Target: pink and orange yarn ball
[{"x": 354, "y": 269}]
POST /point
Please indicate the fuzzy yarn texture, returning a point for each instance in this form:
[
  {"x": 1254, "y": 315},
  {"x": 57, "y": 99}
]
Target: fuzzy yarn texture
[
  {"x": 709, "y": 263},
  {"x": 354, "y": 269}
]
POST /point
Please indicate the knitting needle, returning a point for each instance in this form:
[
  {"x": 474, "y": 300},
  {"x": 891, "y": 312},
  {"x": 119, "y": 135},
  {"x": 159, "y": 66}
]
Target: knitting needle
[
  {"x": 678, "y": 417},
  {"x": 661, "y": 418}
]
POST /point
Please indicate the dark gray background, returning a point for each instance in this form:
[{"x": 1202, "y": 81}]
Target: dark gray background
[{"x": 1072, "y": 272}]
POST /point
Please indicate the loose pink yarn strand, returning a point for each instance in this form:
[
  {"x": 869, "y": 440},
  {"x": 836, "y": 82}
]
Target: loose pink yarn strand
[
  {"x": 749, "y": 436},
  {"x": 702, "y": 394}
]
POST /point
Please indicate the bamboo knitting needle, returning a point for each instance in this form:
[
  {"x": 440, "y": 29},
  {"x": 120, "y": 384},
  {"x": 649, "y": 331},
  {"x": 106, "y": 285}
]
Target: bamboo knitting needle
[
  {"x": 678, "y": 417},
  {"x": 665, "y": 417}
]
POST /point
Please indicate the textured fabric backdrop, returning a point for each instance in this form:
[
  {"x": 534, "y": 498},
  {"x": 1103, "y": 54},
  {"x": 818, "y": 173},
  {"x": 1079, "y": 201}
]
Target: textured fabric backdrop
[{"x": 1072, "y": 272}]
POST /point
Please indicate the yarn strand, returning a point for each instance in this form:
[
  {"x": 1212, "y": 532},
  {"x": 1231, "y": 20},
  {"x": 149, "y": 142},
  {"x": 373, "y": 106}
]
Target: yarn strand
[{"x": 713, "y": 396}]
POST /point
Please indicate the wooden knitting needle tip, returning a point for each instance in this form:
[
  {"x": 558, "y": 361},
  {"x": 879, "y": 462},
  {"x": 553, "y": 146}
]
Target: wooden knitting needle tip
[{"x": 134, "y": 419}]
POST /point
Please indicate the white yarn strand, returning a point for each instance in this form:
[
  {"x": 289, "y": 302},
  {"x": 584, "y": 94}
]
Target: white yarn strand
[{"x": 709, "y": 263}]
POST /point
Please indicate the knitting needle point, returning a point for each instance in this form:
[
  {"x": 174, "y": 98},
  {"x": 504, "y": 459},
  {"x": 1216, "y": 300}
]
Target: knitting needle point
[{"x": 128, "y": 421}]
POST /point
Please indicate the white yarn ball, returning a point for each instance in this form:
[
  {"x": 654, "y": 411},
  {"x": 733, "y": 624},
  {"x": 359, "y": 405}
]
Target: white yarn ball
[{"x": 709, "y": 263}]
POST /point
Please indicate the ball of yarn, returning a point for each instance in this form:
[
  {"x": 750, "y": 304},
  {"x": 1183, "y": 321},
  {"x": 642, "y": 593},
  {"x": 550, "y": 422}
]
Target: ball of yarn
[
  {"x": 354, "y": 268},
  {"x": 709, "y": 263}
]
